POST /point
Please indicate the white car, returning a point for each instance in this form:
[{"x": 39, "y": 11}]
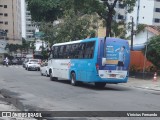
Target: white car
[
  {"x": 44, "y": 69},
  {"x": 33, "y": 64}
]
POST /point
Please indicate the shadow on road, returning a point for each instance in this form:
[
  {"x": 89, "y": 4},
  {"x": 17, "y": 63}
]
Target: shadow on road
[{"x": 112, "y": 87}]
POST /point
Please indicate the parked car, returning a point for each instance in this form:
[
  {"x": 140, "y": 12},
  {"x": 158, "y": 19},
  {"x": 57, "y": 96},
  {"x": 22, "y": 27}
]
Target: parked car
[
  {"x": 44, "y": 69},
  {"x": 33, "y": 64},
  {"x": 14, "y": 61},
  {"x": 24, "y": 62}
]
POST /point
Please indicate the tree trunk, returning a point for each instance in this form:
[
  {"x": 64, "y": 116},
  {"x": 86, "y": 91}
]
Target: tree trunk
[{"x": 108, "y": 24}]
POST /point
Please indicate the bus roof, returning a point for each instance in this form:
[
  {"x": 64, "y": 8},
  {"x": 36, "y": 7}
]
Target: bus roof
[
  {"x": 77, "y": 41},
  {"x": 86, "y": 40}
]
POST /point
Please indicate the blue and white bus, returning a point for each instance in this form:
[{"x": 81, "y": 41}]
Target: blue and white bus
[{"x": 92, "y": 60}]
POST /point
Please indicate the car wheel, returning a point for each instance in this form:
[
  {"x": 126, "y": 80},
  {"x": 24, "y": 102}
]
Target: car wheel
[
  {"x": 28, "y": 69},
  {"x": 41, "y": 73}
]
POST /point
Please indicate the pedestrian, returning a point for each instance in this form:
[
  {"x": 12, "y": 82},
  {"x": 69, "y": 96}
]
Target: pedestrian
[{"x": 6, "y": 61}]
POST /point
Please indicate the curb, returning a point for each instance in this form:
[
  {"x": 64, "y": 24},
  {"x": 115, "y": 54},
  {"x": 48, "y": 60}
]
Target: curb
[{"x": 146, "y": 88}]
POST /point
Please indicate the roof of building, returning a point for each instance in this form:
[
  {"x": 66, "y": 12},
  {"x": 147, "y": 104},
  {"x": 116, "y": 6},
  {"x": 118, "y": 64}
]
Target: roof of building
[{"x": 154, "y": 29}]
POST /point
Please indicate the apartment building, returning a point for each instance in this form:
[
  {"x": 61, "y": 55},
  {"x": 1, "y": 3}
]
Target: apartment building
[
  {"x": 10, "y": 20},
  {"x": 120, "y": 12},
  {"x": 28, "y": 27},
  {"x": 146, "y": 12}
]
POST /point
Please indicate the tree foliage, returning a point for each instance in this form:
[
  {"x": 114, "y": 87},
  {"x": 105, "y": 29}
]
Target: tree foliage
[
  {"x": 14, "y": 47},
  {"x": 140, "y": 28},
  {"x": 75, "y": 27},
  {"x": 50, "y": 10},
  {"x": 50, "y": 31},
  {"x": 153, "y": 51},
  {"x": 47, "y": 10}
]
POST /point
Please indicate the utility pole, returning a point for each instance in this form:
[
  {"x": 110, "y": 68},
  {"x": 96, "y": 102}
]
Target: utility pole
[{"x": 132, "y": 33}]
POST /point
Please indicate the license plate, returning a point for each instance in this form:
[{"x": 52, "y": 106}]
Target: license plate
[{"x": 112, "y": 75}]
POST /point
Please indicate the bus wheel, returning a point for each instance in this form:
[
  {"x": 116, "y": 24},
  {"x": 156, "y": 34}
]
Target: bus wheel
[
  {"x": 100, "y": 84},
  {"x": 52, "y": 78},
  {"x": 73, "y": 79}
]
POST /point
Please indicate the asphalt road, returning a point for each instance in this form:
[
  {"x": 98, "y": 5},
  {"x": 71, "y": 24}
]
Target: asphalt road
[{"x": 38, "y": 92}]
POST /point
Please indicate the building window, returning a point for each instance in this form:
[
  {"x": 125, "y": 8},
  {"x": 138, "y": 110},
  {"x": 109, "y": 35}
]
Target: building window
[
  {"x": 1, "y": 22},
  {"x": 120, "y": 17},
  {"x": 6, "y": 23},
  {"x": 5, "y": 6},
  {"x": 158, "y": 0},
  {"x": 143, "y": 6},
  {"x": 6, "y": 31},
  {"x": 157, "y": 9},
  {"x": 1, "y": 13},
  {"x": 1, "y": 5},
  {"x": 143, "y": 17},
  {"x": 156, "y": 20},
  {"x": 5, "y": 14}
]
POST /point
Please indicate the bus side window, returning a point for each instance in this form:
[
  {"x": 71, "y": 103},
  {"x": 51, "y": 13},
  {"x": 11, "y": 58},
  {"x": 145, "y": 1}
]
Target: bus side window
[
  {"x": 81, "y": 50},
  {"x": 68, "y": 49},
  {"x": 56, "y": 52},
  {"x": 61, "y": 52},
  {"x": 53, "y": 52},
  {"x": 65, "y": 51},
  {"x": 51, "y": 56},
  {"x": 73, "y": 51},
  {"x": 76, "y": 50},
  {"x": 89, "y": 50}
]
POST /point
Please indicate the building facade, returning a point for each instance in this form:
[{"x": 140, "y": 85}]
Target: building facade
[
  {"x": 10, "y": 20},
  {"x": 28, "y": 27},
  {"x": 146, "y": 12}
]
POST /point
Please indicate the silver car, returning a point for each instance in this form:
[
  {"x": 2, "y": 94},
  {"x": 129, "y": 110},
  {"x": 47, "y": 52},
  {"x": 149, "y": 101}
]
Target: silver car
[
  {"x": 44, "y": 69},
  {"x": 33, "y": 64}
]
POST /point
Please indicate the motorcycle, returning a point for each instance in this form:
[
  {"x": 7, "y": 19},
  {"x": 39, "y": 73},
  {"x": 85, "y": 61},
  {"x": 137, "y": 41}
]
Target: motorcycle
[{"x": 6, "y": 64}]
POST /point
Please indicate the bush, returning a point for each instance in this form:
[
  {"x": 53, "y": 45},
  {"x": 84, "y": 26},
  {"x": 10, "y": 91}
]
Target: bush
[
  {"x": 134, "y": 68},
  {"x": 153, "y": 51}
]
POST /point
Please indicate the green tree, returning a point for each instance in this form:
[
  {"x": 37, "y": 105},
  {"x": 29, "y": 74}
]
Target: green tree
[
  {"x": 49, "y": 32},
  {"x": 12, "y": 47},
  {"x": 25, "y": 45},
  {"x": 153, "y": 51},
  {"x": 75, "y": 27},
  {"x": 32, "y": 46},
  {"x": 47, "y": 10},
  {"x": 50, "y": 10},
  {"x": 109, "y": 12}
]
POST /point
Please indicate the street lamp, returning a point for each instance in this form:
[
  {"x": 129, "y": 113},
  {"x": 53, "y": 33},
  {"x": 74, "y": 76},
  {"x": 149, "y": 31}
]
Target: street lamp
[{"x": 132, "y": 32}]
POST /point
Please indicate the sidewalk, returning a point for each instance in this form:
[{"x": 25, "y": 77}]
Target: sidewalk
[{"x": 144, "y": 84}]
